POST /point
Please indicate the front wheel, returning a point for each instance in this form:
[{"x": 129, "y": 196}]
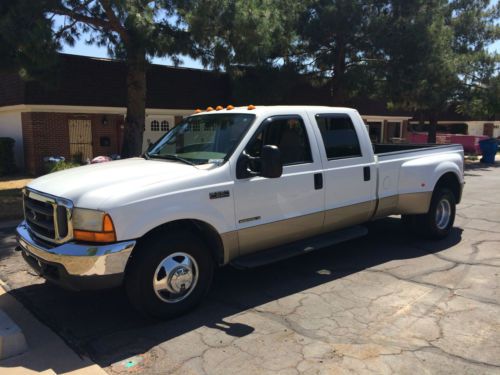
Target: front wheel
[
  {"x": 438, "y": 221},
  {"x": 169, "y": 274}
]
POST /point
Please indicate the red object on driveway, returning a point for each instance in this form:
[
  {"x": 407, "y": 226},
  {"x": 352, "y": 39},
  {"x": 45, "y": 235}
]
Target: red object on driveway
[{"x": 100, "y": 159}]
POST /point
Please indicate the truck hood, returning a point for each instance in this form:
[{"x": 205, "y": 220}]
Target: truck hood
[{"x": 88, "y": 186}]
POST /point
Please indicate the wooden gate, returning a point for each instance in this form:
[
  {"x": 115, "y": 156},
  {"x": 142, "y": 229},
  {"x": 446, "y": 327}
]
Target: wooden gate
[{"x": 80, "y": 139}]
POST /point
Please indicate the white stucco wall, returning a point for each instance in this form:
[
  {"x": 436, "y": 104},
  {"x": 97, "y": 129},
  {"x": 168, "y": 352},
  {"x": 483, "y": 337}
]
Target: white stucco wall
[
  {"x": 11, "y": 126},
  {"x": 151, "y": 136},
  {"x": 477, "y": 127}
]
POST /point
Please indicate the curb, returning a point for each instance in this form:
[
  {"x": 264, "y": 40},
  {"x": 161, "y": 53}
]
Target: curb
[
  {"x": 12, "y": 341},
  {"x": 48, "y": 354}
]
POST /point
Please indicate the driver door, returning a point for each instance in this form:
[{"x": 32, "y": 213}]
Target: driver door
[{"x": 274, "y": 211}]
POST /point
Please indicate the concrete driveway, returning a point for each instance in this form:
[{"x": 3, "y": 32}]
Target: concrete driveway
[{"x": 385, "y": 303}]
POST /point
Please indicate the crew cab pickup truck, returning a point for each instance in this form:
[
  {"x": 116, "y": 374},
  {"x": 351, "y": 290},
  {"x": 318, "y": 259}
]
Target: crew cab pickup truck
[{"x": 245, "y": 185}]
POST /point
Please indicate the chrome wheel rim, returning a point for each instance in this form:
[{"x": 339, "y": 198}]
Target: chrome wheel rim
[
  {"x": 175, "y": 277},
  {"x": 443, "y": 213}
]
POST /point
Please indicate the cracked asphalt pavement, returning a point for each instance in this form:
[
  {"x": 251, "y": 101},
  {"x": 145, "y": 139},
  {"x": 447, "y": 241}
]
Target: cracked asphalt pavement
[{"x": 386, "y": 303}]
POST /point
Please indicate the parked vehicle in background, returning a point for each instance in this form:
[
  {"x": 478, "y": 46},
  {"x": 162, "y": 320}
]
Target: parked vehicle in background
[{"x": 246, "y": 186}]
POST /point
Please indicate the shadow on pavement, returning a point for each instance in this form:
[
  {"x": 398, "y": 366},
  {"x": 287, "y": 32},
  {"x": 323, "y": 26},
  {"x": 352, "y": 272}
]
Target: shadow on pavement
[
  {"x": 469, "y": 168},
  {"x": 104, "y": 326}
]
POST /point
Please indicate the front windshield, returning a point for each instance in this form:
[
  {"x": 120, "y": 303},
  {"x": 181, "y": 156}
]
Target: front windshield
[{"x": 204, "y": 138}]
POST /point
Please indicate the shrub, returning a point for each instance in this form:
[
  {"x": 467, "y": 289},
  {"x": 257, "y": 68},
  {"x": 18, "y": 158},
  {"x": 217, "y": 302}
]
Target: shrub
[
  {"x": 62, "y": 165},
  {"x": 7, "y": 165}
]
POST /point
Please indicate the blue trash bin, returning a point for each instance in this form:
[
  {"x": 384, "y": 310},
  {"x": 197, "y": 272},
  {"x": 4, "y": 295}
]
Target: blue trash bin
[{"x": 489, "y": 149}]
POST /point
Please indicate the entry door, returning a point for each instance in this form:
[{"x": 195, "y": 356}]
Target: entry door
[
  {"x": 80, "y": 138},
  {"x": 272, "y": 211}
]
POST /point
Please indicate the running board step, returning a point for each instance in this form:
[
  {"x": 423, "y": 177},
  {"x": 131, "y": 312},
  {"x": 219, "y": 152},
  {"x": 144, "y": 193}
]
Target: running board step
[{"x": 278, "y": 253}]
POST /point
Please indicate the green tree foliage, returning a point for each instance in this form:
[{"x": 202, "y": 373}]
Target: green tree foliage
[
  {"x": 241, "y": 32},
  {"x": 420, "y": 73},
  {"x": 336, "y": 43},
  {"x": 475, "y": 24},
  {"x": 132, "y": 30},
  {"x": 436, "y": 55},
  {"x": 26, "y": 43}
]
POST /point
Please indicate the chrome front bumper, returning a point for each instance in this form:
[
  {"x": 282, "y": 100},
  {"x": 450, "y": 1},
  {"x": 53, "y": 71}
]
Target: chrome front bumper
[{"x": 76, "y": 265}]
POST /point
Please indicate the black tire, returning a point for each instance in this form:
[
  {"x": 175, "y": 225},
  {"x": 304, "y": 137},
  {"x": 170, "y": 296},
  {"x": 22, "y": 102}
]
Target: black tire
[
  {"x": 143, "y": 266},
  {"x": 429, "y": 225}
]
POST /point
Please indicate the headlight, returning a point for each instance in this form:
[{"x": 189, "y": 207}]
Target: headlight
[{"x": 92, "y": 226}]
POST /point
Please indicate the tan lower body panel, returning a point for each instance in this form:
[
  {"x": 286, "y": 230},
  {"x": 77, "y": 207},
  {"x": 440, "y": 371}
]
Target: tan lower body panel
[
  {"x": 264, "y": 236},
  {"x": 342, "y": 217},
  {"x": 230, "y": 245},
  {"x": 412, "y": 203},
  {"x": 279, "y": 232}
]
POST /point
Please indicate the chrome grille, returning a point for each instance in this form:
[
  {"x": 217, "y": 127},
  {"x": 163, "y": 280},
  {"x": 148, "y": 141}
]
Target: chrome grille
[{"x": 48, "y": 217}]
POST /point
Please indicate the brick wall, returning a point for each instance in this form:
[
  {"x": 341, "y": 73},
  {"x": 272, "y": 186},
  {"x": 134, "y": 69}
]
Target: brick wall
[
  {"x": 47, "y": 134},
  {"x": 110, "y": 130}
]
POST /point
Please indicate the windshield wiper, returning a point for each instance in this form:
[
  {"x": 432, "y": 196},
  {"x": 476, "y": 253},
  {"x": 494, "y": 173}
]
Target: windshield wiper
[{"x": 171, "y": 157}]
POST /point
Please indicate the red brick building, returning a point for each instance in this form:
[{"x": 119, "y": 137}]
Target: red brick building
[{"x": 82, "y": 111}]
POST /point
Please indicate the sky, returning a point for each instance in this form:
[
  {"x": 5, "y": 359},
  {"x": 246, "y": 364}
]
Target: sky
[{"x": 81, "y": 48}]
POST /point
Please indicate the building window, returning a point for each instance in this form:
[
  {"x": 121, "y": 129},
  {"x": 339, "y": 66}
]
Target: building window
[
  {"x": 164, "y": 126},
  {"x": 155, "y": 126}
]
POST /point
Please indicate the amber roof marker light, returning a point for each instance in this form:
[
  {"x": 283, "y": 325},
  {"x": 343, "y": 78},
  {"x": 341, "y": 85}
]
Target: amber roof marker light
[
  {"x": 197, "y": 110},
  {"x": 219, "y": 108},
  {"x": 229, "y": 107},
  {"x": 209, "y": 109},
  {"x": 250, "y": 107}
]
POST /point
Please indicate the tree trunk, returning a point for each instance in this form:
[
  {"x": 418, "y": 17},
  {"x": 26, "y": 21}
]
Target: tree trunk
[
  {"x": 338, "y": 89},
  {"x": 136, "y": 104},
  {"x": 431, "y": 138}
]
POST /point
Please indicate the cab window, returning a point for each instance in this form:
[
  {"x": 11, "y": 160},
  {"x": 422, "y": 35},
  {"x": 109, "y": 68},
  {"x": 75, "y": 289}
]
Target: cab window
[
  {"x": 286, "y": 132},
  {"x": 339, "y": 136}
]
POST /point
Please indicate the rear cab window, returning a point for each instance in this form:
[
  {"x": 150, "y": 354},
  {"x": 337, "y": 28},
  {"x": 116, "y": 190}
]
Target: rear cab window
[{"x": 339, "y": 136}]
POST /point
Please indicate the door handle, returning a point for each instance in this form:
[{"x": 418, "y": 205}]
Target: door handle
[
  {"x": 366, "y": 173},
  {"x": 318, "y": 181}
]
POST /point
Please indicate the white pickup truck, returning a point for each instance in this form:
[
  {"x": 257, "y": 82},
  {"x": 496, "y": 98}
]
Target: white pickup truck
[{"x": 245, "y": 185}]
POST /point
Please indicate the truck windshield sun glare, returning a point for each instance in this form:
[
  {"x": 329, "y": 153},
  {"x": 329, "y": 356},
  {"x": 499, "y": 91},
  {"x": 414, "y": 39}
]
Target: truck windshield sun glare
[{"x": 203, "y": 139}]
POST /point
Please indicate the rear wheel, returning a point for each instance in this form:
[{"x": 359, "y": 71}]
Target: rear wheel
[
  {"x": 169, "y": 274},
  {"x": 438, "y": 221}
]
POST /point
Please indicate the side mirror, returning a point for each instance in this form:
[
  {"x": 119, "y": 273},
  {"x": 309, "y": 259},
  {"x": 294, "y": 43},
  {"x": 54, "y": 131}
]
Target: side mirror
[
  {"x": 268, "y": 165},
  {"x": 270, "y": 162}
]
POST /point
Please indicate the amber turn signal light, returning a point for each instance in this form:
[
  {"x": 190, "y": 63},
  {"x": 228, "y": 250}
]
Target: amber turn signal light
[{"x": 106, "y": 235}]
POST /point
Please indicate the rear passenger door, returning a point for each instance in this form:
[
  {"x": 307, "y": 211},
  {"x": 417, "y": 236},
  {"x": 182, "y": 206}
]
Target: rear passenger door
[
  {"x": 349, "y": 172},
  {"x": 274, "y": 211}
]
